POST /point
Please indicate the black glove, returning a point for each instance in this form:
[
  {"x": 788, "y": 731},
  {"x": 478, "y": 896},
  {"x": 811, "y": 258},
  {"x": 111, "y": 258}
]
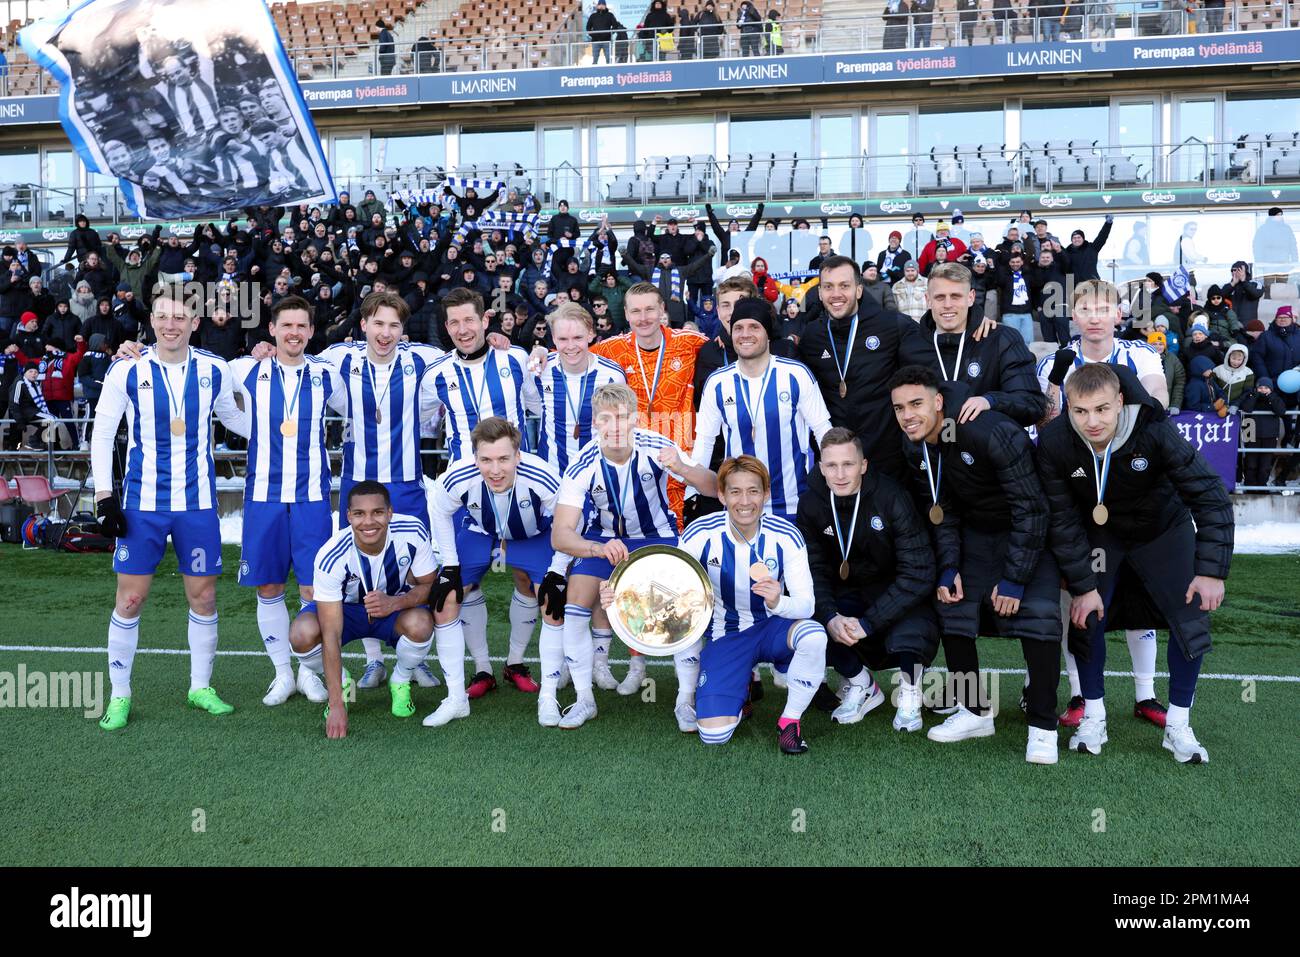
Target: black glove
[
  {"x": 551, "y": 594},
  {"x": 1062, "y": 362},
  {"x": 112, "y": 522},
  {"x": 448, "y": 582}
]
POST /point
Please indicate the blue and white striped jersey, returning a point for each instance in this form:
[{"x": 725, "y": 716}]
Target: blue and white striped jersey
[
  {"x": 288, "y": 468},
  {"x": 525, "y": 511},
  {"x": 382, "y": 441},
  {"x": 623, "y": 501},
  {"x": 727, "y": 558},
  {"x": 165, "y": 472},
  {"x": 499, "y": 385},
  {"x": 770, "y": 417},
  {"x": 566, "y": 401},
  {"x": 1138, "y": 356},
  {"x": 344, "y": 573}
]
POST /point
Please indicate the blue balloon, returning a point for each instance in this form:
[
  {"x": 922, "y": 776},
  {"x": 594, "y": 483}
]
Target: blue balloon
[{"x": 1289, "y": 381}]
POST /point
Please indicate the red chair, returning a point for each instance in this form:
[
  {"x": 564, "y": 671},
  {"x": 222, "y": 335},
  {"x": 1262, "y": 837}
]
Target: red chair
[
  {"x": 5, "y": 494},
  {"x": 35, "y": 489}
]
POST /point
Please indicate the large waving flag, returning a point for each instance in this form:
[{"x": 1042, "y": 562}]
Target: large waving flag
[{"x": 192, "y": 104}]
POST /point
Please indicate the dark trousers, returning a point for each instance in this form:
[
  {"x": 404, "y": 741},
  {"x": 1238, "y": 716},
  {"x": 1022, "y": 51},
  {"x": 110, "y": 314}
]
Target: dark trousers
[
  {"x": 1055, "y": 328},
  {"x": 1042, "y": 660},
  {"x": 849, "y": 662},
  {"x": 1255, "y": 468},
  {"x": 601, "y": 48}
]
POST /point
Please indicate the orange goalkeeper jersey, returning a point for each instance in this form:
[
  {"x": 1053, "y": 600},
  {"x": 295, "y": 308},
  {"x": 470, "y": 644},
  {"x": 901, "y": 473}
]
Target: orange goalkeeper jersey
[{"x": 672, "y": 412}]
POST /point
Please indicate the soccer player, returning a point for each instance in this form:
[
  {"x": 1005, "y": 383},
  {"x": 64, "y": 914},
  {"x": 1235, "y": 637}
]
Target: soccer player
[
  {"x": 619, "y": 484},
  {"x": 763, "y": 597},
  {"x": 168, "y": 397},
  {"x": 1096, "y": 312},
  {"x": 371, "y": 580},
  {"x": 764, "y": 406},
  {"x": 287, "y": 515},
  {"x": 509, "y": 497},
  {"x": 977, "y": 485},
  {"x": 1121, "y": 479},
  {"x": 472, "y": 384},
  {"x": 873, "y": 573}
]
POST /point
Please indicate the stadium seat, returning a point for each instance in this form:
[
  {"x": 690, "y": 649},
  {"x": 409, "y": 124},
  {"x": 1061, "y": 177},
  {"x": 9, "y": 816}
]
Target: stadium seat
[
  {"x": 805, "y": 181},
  {"x": 1287, "y": 167},
  {"x": 1124, "y": 171},
  {"x": 1001, "y": 175},
  {"x": 5, "y": 494},
  {"x": 34, "y": 489},
  {"x": 927, "y": 177}
]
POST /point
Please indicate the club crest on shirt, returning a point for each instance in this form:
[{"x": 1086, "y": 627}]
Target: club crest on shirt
[
  {"x": 647, "y": 477},
  {"x": 973, "y": 369},
  {"x": 525, "y": 504},
  {"x": 316, "y": 381},
  {"x": 408, "y": 370},
  {"x": 704, "y": 676},
  {"x": 675, "y": 365},
  {"x": 1140, "y": 464},
  {"x": 968, "y": 458},
  {"x": 784, "y": 397},
  {"x": 771, "y": 564},
  {"x": 877, "y": 523},
  {"x": 122, "y": 553},
  {"x": 404, "y": 560},
  {"x": 873, "y": 342},
  {"x": 205, "y": 382}
]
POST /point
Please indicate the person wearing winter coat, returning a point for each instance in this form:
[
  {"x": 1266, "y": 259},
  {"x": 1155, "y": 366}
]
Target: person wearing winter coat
[
  {"x": 1081, "y": 255},
  {"x": 1198, "y": 344},
  {"x": 909, "y": 292},
  {"x": 369, "y": 206},
  {"x": 1175, "y": 374},
  {"x": 891, "y": 260},
  {"x": 1278, "y": 349},
  {"x": 1243, "y": 292},
  {"x": 1201, "y": 390},
  {"x": 82, "y": 303},
  {"x": 61, "y": 324},
  {"x": 766, "y": 285},
  {"x": 1225, "y": 327},
  {"x": 134, "y": 266},
  {"x": 877, "y": 288},
  {"x": 750, "y": 24},
  {"x": 1266, "y": 429},
  {"x": 82, "y": 240},
  {"x": 1234, "y": 375},
  {"x": 942, "y": 237},
  {"x": 711, "y": 31}
]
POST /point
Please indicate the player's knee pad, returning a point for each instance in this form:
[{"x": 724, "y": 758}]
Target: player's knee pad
[{"x": 720, "y": 735}]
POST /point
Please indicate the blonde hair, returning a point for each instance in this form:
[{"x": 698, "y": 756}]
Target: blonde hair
[
  {"x": 573, "y": 312},
  {"x": 614, "y": 395},
  {"x": 1096, "y": 289},
  {"x": 952, "y": 272}
]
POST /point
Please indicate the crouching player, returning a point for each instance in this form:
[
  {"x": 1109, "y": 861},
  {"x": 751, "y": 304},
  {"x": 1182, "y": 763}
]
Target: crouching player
[
  {"x": 371, "y": 580},
  {"x": 509, "y": 498},
  {"x": 1121, "y": 481},
  {"x": 763, "y": 597},
  {"x": 873, "y": 573}
]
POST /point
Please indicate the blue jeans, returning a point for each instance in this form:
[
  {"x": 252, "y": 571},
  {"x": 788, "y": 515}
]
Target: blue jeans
[
  {"x": 1022, "y": 322},
  {"x": 1051, "y": 28}
]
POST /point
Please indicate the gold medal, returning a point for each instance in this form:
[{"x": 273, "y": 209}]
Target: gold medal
[
  {"x": 575, "y": 431},
  {"x": 288, "y": 428},
  {"x": 758, "y": 572},
  {"x": 844, "y": 389},
  {"x": 844, "y": 571},
  {"x": 1101, "y": 514},
  {"x": 178, "y": 426},
  {"x": 936, "y": 514},
  {"x": 379, "y": 416}
]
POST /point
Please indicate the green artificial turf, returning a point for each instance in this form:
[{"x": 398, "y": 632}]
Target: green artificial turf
[{"x": 267, "y": 788}]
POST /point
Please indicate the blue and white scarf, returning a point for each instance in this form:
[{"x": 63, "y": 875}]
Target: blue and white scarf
[
  {"x": 674, "y": 280},
  {"x": 1019, "y": 290}
]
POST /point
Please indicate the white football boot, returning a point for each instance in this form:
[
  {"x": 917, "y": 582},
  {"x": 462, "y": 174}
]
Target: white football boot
[
  {"x": 578, "y": 714},
  {"x": 280, "y": 691},
  {"x": 685, "y": 715},
  {"x": 635, "y": 675},
  {"x": 548, "y": 712},
  {"x": 447, "y": 712},
  {"x": 311, "y": 686}
]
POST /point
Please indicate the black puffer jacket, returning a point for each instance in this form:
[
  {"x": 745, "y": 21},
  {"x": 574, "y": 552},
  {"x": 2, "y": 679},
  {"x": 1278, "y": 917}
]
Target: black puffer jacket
[
  {"x": 1157, "y": 481},
  {"x": 999, "y": 367},
  {"x": 988, "y": 482},
  {"x": 898, "y": 553},
  {"x": 1081, "y": 261}
]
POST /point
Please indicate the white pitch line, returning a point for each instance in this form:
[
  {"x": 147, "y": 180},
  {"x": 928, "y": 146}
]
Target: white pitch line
[{"x": 73, "y": 649}]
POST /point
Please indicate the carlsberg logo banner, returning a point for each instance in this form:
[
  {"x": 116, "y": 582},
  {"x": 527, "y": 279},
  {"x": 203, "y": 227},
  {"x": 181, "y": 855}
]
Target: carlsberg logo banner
[{"x": 192, "y": 104}]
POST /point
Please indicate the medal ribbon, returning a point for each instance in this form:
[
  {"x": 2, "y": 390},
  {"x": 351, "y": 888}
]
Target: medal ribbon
[
  {"x": 501, "y": 527},
  {"x": 931, "y": 477},
  {"x": 575, "y": 409},
  {"x": 844, "y": 544},
  {"x": 1101, "y": 473},
  {"x": 757, "y": 405},
  {"x": 848, "y": 353},
  {"x": 374, "y": 385},
  {"x": 956, "y": 369},
  {"x": 478, "y": 393},
  {"x": 177, "y": 408},
  {"x": 659, "y": 368},
  {"x": 290, "y": 405},
  {"x": 623, "y": 488}
]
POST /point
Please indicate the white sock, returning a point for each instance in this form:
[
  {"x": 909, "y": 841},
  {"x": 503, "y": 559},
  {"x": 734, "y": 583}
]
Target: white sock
[
  {"x": 1142, "y": 649},
  {"x": 123, "y": 637},
  {"x": 410, "y": 656},
  {"x": 601, "y": 638},
  {"x": 451, "y": 655},
  {"x": 523, "y": 616},
  {"x": 687, "y": 665},
  {"x": 578, "y": 651},
  {"x": 203, "y": 649},
  {"x": 1072, "y": 672},
  {"x": 474, "y": 616},
  {"x": 862, "y": 679},
  {"x": 1177, "y": 716},
  {"x": 807, "y": 668},
  {"x": 1094, "y": 708},
  {"x": 636, "y": 666},
  {"x": 550, "y": 647},
  {"x": 313, "y": 661},
  {"x": 374, "y": 649},
  {"x": 273, "y": 623}
]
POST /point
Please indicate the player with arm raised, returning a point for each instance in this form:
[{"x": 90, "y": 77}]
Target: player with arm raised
[
  {"x": 618, "y": 485},
  {"x": 168, "y": 397},
  {"x": 508, "y": 498},
  {"x": 372, "y": 580}
]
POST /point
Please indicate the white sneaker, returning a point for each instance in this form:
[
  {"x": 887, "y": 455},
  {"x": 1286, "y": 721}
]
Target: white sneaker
[
  {"x": 601, "y": 676},
  {"x": 311, "y": 686},
  {"x": 565, "y": 678},
  {"x": 779, "y": 680},
  {"x": 447, "y": 712},
  {"x": 1183, "y": 743},
  {"x": 578, "y": 714},
  {"x": 685, "y": 715},
  {"x": 857, "y": 701},
  {"x": 281, "y": 690},
  {"x": 424, "y": 677},
  {"x": 962, "y": 724},
  {"x": 548, "y": 712},
  {"x": 1041, "y": 748},
  {"x": 1089, "y": 736},
  {"x": 374, "y": 675},
  {"x": 908, "y": 715},
  {"x": 635, "y": 675}
]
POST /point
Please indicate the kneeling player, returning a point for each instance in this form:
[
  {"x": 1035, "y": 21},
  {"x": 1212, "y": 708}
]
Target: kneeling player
[
  {"x": 873, "y": 575},
  {"x": 371, "y": 580},
  {"x": 620, "y": 482},
  {"x": 509, "y": 497},
  {"x": 1122, "y": 481},
  {"x": 763, "y": 595}
]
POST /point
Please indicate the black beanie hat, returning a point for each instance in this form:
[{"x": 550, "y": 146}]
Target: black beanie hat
[{"x": 760, "y": 310}]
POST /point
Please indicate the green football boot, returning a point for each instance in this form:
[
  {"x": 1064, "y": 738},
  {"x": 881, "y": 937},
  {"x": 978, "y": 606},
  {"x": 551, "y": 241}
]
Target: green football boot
[
  {"x": 403, "y": 706},
  {"x": 205, "y": 699},
  {"x": 115, "y": 718},
  {"x": 347, "y": 693}
]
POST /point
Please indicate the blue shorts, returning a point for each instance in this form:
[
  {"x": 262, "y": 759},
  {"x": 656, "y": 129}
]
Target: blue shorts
[
  {"x": 196, "y": 538},
  {"x": 727, "y": 663},
  {"x": 356, "y": 624},
  {"x": 277, "y": 536},
  {"x": 408, "y": 498},
  {"x": 475, "y": 548},
  {"x": 600, "y": 567}
]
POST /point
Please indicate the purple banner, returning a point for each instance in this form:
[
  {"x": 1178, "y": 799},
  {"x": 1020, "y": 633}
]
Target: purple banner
[{"x": 1215, "y": 438}]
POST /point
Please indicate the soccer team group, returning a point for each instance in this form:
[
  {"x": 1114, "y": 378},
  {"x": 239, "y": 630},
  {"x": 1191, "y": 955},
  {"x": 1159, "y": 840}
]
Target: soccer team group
[{"x": 858, "y": 499}]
